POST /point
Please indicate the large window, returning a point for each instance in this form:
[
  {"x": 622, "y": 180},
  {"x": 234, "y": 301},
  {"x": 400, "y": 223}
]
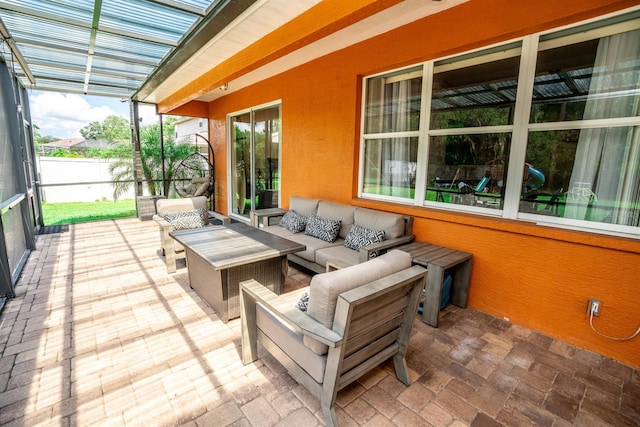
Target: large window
[
  {"x": 392, "y": 124},
  {"x": 546, "y": 128},
  {"x": 255, "y": 159}
]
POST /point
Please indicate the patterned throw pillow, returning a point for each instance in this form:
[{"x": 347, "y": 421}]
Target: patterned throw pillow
[
  {"x": 303, "y": 302},
  {"x": 186, "y": 220},
  {"x": 360, "y": 236},
  {"x": 323, "y": 228},
  {"x": 293, "y": 221}
]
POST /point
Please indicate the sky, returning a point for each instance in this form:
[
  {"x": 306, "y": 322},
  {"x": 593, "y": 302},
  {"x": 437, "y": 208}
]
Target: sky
[{"x": 62, "y": 115}]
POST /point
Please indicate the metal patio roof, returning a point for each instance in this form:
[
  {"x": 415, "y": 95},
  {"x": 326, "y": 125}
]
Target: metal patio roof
[
  {"x": 147, "y": 50},
  {"x": 126, "y": 48},
  {"x": 98, "y": 47}
]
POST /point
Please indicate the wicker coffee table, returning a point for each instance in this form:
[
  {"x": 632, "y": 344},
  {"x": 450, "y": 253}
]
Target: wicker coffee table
[{"x": 220, "y": 257}]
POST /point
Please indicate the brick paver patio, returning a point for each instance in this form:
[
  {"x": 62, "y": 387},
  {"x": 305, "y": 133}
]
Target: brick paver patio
[{"x": 99, "y": 334}]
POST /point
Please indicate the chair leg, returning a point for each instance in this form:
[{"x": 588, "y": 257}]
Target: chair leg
[
  {"x": 248, "y": 328},
  {"x": 170, "y": 259},
  {"x": 329, "y": 412},
  {"x": 402, "y": 370}
]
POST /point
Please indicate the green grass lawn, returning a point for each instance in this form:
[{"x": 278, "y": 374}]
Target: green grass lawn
[{"x": 71, "y": 213}]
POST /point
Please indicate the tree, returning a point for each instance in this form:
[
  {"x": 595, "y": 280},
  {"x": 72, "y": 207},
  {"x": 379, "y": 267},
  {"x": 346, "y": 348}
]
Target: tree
[
  {"x": 113, "y": 128},
  {"x": 151, "y": 155},
  {"x": 39, "y": 140}
]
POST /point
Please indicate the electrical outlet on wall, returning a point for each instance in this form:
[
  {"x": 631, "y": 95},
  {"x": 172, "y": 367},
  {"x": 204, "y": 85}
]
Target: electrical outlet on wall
[{"x": 593, "y": 307}]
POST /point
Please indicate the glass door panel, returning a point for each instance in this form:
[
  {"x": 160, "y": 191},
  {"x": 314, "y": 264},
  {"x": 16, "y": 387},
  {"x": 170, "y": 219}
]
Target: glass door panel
[
  {"x": 255, "y": 160},
  {"x": 267, "y": 142},
  {"x": 241, "y": 164}
]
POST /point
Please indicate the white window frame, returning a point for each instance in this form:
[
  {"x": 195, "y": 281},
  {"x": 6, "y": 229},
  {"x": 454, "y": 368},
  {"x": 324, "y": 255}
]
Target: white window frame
[{"x": 519, "y": 130}]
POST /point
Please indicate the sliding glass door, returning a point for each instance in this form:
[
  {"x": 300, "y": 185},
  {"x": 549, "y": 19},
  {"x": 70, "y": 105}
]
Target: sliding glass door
[{"x": 255, "y": 160}]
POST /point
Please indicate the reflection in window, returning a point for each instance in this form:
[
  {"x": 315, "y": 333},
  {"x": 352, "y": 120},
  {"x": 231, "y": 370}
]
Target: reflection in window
[
  {"x": 393, "y": 102},
  {"x": 471, "y": 92},
  {"x": 552, "y": 153},
  {"x": 594, "y": 172},
  {"x": 475, "y": 90},
  {"x": 390, "y": 167},
  {"x": 468, "y": 169},
  {"x": 577, "y": 130},
  {"x": 392, "y": 123}
]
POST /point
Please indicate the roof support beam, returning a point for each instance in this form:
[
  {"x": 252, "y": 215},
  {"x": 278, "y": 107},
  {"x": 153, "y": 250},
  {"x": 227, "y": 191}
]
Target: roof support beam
[
  {"x": 16, "y": 52},
  {"x": 97, "y": 7}
]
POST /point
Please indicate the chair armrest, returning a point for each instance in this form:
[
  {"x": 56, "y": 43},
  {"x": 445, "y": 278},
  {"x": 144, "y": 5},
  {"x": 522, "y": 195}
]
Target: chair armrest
[
  {"x": 365, "y": 251},
  {"x": 264, "y": 215},
  {"x": 223, "y": 218},
  {"x": 163, "y": 223},
  {"x": 288, "y": 313}
]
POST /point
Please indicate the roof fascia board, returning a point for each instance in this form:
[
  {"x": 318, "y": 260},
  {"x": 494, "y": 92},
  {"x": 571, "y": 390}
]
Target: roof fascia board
[
  {"x": 215, "y": 21},
  {"x": 320, "y": 21}
]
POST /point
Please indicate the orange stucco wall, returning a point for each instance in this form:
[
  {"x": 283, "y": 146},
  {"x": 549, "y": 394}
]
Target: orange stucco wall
[{"x": 538, "y": 277}]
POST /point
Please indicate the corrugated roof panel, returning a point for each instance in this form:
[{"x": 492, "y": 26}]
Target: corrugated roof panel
[
  {"x": 58, "y": 85},
  {"x": 63, "y": 10},
  {"x": 485, "y": 98},
  {"x": 127, "y": 47},
  {"x": 37, "y": 30},
  {"x": 115, "y": 81},
  {"x": 37, "y": 53},
  {"x": 106, "y": 65},
  {"x": 44, "y": 72},
  {"x": 109, "y": 91},
  {"x": 582, "y": 78},
  {"x": 146, "y": 18}
]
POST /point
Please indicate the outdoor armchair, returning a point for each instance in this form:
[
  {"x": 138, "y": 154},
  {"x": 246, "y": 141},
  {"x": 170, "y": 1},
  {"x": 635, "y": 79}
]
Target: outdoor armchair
[
  {"x": 184, "y": 213},
  {"x": 357, "y": 318}
]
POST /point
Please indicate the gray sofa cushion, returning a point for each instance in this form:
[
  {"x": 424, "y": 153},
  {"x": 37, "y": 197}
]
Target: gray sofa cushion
[
  {"x": 344, "y": 213},
  {"x": 303, "y": 205},
  {"x": 326, "y": 287},
  {"x": 312, "y": 244},
  {"x": 289, "y": 340},
  {"x": 392, "y": 224},
  {"x": 342, "y": 253}
]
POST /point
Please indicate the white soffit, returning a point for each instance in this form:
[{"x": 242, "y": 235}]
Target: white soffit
[
  {"x": 265, "y": 17},
  {"x": 257, "y": 21}
]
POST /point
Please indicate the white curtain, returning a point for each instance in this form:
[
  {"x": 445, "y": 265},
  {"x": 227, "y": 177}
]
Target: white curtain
[
  {"x": 397, "y": 151},
  {"x": 606, "y": 172}
]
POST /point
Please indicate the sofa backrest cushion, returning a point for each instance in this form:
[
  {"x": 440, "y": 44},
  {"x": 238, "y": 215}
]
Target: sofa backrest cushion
[
  {"x": 326, "y": 287},
  {"x": 163, "y": 206},
  {"x": 304, "y": 206},
  {"x": 392, "y": 224},
  {"x": 341, "y": 212}
]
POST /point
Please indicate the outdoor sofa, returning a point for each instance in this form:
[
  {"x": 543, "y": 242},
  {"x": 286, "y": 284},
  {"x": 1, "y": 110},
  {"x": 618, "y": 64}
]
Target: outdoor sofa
[{"x": 342, "y": 234}]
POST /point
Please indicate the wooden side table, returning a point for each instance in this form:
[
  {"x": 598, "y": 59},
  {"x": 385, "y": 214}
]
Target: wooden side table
[{"x": 437, "y": 259}]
